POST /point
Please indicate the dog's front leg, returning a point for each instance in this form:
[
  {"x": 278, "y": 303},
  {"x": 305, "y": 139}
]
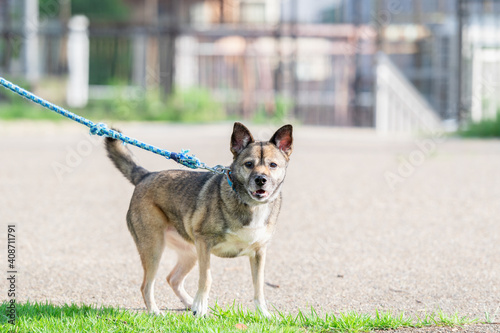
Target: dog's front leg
[
  {"x": 200, "y": 303},
  {"x": 257, "y": 263}
]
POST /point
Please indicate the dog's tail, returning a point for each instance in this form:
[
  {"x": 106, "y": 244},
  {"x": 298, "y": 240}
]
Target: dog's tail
[{"x": 124, "y": 160}]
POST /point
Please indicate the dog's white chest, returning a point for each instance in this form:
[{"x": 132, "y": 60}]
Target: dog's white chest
[{"x": 247, "y": 239}]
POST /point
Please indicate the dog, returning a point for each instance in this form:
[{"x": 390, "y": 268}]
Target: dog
[{"x": 201, "y": 213}]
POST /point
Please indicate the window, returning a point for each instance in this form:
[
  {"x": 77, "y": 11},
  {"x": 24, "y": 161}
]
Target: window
[{"x": 253, "y": 12}]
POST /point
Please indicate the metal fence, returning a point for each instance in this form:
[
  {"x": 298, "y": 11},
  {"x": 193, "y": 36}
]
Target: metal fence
[{"x": 250, "y": 72}]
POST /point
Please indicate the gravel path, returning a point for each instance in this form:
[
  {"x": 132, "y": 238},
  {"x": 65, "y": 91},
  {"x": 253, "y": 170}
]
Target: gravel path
[{"x": 367, "y": 223}]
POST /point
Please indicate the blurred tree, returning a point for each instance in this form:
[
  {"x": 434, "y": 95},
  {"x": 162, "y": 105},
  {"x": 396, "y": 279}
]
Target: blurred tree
[
  {"x": 112, "y": 10},
  {"x": 331, "y": 15},
  {"x": 109, "y": 10}
]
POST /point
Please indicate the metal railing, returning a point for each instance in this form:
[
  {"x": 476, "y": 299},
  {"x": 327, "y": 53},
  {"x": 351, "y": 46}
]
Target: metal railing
[{"x": 399, "y": 107}]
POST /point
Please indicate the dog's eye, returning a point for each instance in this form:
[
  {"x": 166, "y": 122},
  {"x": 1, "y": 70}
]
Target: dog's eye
[
  {"x": 249, "y": 165},
  {"x": 273, "y": 165}
]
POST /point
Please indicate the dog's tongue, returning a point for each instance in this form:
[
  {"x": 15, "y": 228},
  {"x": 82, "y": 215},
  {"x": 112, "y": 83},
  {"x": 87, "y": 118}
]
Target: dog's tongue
[{"x": 260, "y": 192}]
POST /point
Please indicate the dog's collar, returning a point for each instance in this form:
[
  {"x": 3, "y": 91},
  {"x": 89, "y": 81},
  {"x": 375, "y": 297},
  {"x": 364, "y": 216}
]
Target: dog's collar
[{"x": 229, "y": 180}]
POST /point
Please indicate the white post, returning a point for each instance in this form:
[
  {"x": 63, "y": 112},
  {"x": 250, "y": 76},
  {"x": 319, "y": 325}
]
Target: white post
[
  {"x": 31, "y": 49},
  {"x": 382, "y": 100},
  {"x": 78, "y": 62},
  {"x": 139, "y": 48},
  {"x": 186, "y": 64},
  {"x": 477, "y": 87}
]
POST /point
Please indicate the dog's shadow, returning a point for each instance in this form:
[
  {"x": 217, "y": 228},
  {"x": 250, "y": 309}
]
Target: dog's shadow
[{"x": 164, "y": 309}]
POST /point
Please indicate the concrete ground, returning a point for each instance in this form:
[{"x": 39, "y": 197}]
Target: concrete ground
[{"x": 394, "y": 224}]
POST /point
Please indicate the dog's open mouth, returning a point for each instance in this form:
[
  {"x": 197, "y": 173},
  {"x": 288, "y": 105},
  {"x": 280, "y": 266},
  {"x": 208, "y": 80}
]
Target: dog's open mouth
[{"x": 260, "y": 194}]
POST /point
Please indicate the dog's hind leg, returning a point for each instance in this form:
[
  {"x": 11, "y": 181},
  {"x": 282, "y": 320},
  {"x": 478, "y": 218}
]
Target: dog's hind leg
[
  {"x": 146, "y": 226},
  {"x": 178, "y": 275},
  {"x": 150, "y": 256},
  {"x": 186, "y": 260}
]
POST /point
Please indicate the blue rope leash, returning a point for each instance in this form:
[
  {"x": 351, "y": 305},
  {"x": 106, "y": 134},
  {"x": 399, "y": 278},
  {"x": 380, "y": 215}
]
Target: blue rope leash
[{"x": 101, "y": 129}]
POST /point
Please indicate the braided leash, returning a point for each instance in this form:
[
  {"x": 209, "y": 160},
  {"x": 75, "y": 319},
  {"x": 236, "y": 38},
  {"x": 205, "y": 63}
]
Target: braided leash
[{"x": 101, "y": 129}]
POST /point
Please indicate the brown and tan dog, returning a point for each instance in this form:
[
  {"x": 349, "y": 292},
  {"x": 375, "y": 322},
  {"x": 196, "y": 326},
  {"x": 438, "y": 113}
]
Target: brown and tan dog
[{"x": 200, "y": 213}]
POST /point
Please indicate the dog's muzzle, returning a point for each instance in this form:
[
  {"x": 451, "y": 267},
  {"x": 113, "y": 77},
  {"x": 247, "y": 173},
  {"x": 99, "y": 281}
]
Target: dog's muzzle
[
  {"x": 260, "y": 193},
  {"x": 260, "y": 180}
]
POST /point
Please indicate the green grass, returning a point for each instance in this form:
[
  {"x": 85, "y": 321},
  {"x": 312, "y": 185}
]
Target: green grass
[
  {"x": 25, "y": 111},
  {"x": 186, "y": 106},
  {"x": 487, "y": 128},
  {"x": 281, "y": 112},
  {"x": 193, "y": 105},
  {"x": 45, "y": 317}
]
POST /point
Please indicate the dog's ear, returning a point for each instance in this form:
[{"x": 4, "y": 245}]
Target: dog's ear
[
  {"x": 283, "y": 139},
  {"x": 240, "y": 138}
]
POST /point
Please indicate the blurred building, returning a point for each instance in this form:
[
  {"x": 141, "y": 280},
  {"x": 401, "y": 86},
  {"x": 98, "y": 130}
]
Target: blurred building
[{"x": 319, "y": 56}]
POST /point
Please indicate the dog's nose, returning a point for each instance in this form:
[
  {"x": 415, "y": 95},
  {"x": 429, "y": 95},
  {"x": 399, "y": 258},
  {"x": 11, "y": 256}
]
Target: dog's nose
[{"x": 260, "y": 180}]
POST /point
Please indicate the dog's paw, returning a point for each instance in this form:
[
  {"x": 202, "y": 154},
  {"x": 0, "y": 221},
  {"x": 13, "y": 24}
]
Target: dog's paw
[
  {"x": 156, "y": 312},
  {"x": 188, "y": 302},
  {"x": 200, "y": 306},
  {"x": 266, "y": 314},
  {"x": 262, "y": 309}
]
